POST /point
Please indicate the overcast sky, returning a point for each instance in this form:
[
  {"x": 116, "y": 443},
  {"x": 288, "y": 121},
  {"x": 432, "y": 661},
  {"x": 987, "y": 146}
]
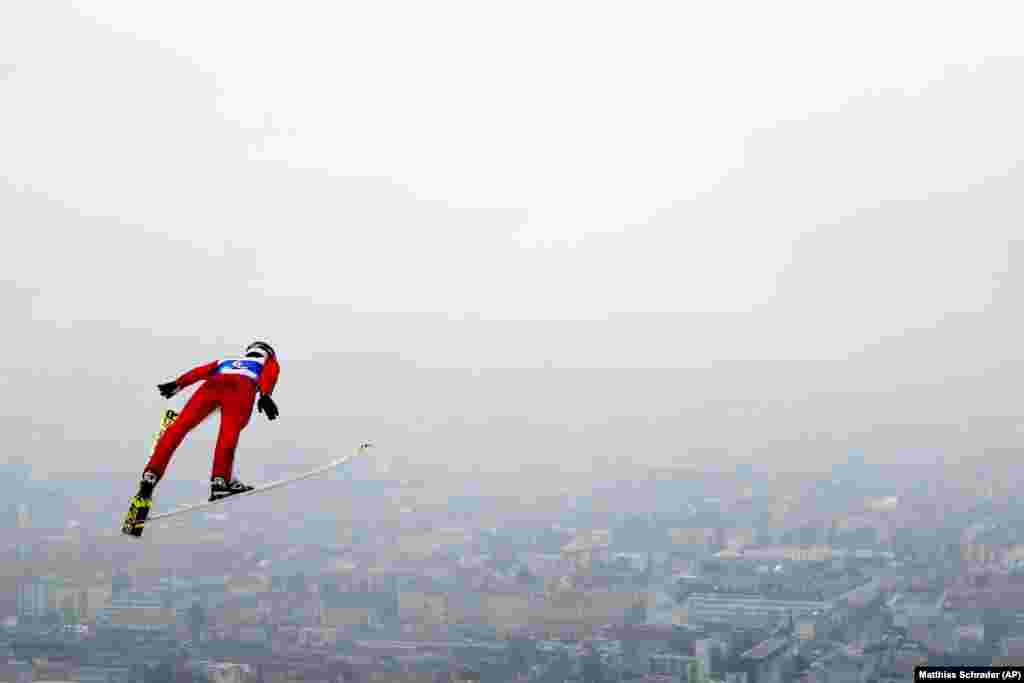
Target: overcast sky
[{"x": 546, "y": 210}]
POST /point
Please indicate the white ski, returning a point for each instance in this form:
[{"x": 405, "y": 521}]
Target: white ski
[{"x": 262, "y": 488}]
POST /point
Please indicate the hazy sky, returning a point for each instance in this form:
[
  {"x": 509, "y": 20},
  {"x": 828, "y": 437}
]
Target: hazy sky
[{"x": 408, "y": 198}]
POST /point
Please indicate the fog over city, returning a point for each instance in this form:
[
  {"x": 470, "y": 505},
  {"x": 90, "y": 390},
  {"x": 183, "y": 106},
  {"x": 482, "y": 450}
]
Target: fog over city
[
  {"x": 733, "y": 286},
  {"x": 861, "y": 247}
]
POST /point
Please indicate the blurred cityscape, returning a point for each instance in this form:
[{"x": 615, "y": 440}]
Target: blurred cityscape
[{"x": 627, "y": 573}]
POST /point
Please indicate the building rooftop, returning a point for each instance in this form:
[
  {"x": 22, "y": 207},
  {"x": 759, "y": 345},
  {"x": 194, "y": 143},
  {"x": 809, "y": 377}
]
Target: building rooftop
[
  {"x": 766, "y": 649},
  {"x": 1002, "y": 598},
  {"x": 642, "y": 632}
]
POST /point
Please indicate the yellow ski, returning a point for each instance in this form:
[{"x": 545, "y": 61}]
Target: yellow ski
[{"x": 138, "y": 510}]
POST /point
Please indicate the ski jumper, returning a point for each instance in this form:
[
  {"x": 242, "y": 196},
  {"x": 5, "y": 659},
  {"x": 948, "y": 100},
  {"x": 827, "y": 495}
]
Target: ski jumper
[{"x": 231, "y": 385}]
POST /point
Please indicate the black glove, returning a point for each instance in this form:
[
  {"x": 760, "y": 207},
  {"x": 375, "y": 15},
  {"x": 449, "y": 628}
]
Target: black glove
[
  {"x": 168, "y": 389},
  {"x": 267, "y": 406}
]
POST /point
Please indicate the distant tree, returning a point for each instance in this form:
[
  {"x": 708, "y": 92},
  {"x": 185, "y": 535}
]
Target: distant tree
[
  {"x": 297, "y": 583},
  {"x": 163, "y": 672},
  {"x": 636, "y": 614},
  {"x": 559, "y": 669},
  {"x": 522, "y": 653},
  {"x": 119, "y": 583},
  {"x": 718, "y": 662},
  {"x": 647, "y": 576},
  {"x": 139, "y": 672},
  {"x": 637, "y": 529},
  {"x": 516, "y": 659},
  {"x": 808, "y": 535},
  {"x": 196, "y": 622},
  {"x": 593, "y": 668}
]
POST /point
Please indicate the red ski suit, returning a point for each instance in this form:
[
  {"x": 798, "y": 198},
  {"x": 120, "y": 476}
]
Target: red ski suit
[{"x": 233, "y": 394}]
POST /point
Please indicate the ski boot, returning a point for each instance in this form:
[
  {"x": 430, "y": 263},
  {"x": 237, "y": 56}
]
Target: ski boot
[
  {"x": 219, "y": 489},
  {"x": 138, "y": 510}
]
